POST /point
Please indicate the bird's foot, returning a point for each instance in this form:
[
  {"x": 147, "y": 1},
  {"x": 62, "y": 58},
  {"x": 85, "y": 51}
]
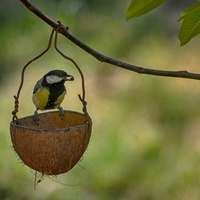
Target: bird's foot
[
  {"x": 36, "y": 117},
  {"x": 61, "y": 111}
]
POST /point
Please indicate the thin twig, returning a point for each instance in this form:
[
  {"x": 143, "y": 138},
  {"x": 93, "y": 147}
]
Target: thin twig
[{"x": 64, "y": 31}]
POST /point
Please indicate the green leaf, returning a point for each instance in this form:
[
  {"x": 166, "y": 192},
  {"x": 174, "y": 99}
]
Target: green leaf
[
  {"x": 190, "y": 26},
  {"x": 188, "y": 10},
  {"x": 141, "y": 7}
]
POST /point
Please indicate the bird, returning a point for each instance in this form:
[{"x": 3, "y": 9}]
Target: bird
[{"x": 49, "y": 91}]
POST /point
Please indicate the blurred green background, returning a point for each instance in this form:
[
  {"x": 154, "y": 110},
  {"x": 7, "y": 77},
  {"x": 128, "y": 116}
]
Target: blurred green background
[{"x": 145, "y": 143}]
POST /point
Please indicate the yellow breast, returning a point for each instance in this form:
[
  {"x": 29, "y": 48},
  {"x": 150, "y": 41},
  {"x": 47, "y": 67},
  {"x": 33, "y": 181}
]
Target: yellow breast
[
  {"x": 40, "y": 98},
  {"x": 59, "y": 99}
]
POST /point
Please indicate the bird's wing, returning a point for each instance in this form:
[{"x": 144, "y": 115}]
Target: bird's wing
[{"x": 37, "y": 86}]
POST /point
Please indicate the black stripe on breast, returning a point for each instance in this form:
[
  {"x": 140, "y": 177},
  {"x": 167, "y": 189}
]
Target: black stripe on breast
[{"x": 55, "y": 91}]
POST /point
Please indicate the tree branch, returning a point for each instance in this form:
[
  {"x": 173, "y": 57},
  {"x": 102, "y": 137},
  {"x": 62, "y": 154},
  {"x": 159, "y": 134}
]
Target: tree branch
[{"x": 64, "y": 31}]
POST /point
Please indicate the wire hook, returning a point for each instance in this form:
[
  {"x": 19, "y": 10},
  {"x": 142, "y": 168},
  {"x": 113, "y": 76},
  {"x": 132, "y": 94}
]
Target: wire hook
[
  {"x": 16, "y": 97},
  {"x": 82, "y": 98}
]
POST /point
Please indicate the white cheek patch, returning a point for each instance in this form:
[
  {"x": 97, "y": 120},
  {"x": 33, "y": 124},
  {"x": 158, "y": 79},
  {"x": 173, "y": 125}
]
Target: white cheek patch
[{"x": 53, "y": 79}]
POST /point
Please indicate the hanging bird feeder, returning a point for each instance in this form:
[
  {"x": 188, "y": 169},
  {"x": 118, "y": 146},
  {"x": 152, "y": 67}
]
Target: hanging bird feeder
[{"x": 55, "y": 143}]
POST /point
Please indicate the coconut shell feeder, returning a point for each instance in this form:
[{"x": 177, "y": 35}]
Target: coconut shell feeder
[{"x": 55, "y": 144}]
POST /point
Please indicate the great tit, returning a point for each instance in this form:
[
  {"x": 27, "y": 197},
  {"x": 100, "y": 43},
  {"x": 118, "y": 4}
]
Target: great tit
[{"x": 50, "y": 91}]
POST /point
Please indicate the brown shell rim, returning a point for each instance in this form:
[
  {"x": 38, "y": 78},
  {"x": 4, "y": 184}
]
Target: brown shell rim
[{"x": 13, "y": 123}]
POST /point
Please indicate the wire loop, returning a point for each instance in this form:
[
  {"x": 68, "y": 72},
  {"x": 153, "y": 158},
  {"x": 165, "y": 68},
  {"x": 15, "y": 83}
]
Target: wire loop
[
  {"x": 16, "y": 97},
  {"x": 82, "y": 99}
]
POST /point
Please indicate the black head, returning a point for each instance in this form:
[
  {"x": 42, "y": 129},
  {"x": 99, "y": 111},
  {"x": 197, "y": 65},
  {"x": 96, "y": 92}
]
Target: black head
[{"x": 57, "y": 76}]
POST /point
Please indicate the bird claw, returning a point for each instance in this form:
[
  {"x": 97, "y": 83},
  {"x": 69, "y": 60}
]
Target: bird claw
[
  {"x": 36, "y": 117},
  {"x": 61, "y": 111}
]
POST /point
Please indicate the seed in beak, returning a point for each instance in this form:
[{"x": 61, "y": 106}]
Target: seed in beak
[{"x": 69, "y": 78}]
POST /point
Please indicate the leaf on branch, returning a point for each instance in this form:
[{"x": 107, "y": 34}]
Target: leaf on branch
[
  {"x": 140, "y": 7},
  {"x": 188, "y": 10},
  {"x": 190, "y": 26}
]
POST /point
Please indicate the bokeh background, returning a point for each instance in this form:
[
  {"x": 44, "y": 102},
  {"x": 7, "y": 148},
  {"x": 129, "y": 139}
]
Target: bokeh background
[{"x": 145, "y": 142}]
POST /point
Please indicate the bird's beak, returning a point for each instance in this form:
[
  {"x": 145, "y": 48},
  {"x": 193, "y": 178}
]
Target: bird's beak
[{"x": 69, "y": 78}]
